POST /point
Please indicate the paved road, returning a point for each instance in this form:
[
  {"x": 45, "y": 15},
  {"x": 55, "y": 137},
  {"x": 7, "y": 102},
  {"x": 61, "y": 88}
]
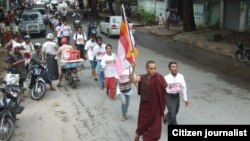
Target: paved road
[{"x": 86, "y": 114}]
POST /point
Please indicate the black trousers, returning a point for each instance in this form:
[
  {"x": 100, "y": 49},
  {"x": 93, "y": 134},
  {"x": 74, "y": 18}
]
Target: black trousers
[{"x": 173, "y": 105}]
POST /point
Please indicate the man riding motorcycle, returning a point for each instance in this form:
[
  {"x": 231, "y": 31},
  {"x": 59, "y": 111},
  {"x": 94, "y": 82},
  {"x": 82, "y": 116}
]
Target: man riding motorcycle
[
  {"x": 76, "y": 15},
  {"x": 59, "y": 57},
  {"x": 91, "y": 25},
  {"x": 36, "y": 59}
]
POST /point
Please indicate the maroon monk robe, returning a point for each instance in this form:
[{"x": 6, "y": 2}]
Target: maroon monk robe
[{"x": 152, "y": 106}]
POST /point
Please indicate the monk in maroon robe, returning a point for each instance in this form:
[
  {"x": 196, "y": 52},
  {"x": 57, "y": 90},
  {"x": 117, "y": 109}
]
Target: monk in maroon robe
[{"x": 152, "y": 89}]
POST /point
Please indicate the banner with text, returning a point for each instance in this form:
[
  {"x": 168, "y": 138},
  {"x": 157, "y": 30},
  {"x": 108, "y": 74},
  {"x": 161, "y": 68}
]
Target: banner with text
[{"x": 208, "y": 132}]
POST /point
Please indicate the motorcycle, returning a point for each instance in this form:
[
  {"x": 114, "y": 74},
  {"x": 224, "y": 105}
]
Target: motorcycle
[
  {"x": 92, "y": 30},
  {"x": 38, "y": 88},
  {"x": 242, "y": 54},
  {"x": 9, "y": 105},
  {"x": 77, "y": 22},
  {"x": 71, "y": 69}
]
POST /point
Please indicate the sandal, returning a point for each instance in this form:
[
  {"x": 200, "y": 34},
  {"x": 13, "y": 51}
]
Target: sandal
[{"x": 59, "y": 85}]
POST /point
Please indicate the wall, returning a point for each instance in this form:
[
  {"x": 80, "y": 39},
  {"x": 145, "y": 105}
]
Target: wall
[
  {"x": 153, "y": 6},
  {"x": 206, "y": 13}
]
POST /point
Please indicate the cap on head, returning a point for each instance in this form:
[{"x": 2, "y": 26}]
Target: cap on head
[
  {"x": 26, "y": 37},
  {"x": 37, "y": 46},
  {"x": 17, "y": 46},
  {"x": 50, "y": 36}
]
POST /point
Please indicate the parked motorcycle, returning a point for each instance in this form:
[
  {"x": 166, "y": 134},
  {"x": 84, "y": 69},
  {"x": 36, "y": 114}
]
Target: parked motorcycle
[
  {"x": 71, "y": 71},
  {"x": 38, "y": 88},
  {"x": 242, "y": 54},
  {"x": 9, "y": 105}
]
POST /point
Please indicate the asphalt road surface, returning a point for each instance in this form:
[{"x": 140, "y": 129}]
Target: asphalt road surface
[{"x": 218, "y": 91}]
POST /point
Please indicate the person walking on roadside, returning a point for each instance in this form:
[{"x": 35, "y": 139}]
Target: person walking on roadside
[
  {"x": 64, "y": 14},
  {"x": 124, "y": 91},
  {"x": 161, "y": 21},
  {"x": 80, "y": 40},
  {"x": 167, "y": 19},
  {"x": 152, "y": 89},
  {"x": 161, "y": 24},
  {"x": 59, "y": 33},
  {"x": 176, "y": 86},
  {"x": 109, "y": 68},
  {"x": 99, "y": 52},
  {"x": 66, "y": 30},
  {"x": 59, "y": 56},
  {"x": 8, "y": 18},
  {"x": 49, "y": 53},
  {"x": 89, "y": 49}
]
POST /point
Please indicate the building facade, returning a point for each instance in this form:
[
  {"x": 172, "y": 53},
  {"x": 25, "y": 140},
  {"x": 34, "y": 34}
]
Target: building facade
[{"x": 153, "y": 6}]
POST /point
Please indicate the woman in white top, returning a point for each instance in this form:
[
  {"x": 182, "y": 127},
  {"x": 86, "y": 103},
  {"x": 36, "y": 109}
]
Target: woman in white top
[
  {"x": 66, "y": 30},
  {"x": 108, "y": 64},
  {"x": 59, "y": 33},
  {"x": 124, "y": 91}
]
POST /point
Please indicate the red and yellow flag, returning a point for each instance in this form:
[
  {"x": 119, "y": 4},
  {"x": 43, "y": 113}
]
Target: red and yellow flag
[{"x": 127, "y": 52}]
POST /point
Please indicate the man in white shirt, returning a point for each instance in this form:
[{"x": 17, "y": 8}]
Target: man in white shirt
[
  {"x": 109, "y": 68},
  {"x": 80, "y": 39},
  {"x": 27, "y": 44},
  {"x": 49, "y": 53},
  {"x": 64, "y": 13},
  {"x": 176, "y": 86},
  {"x": 66, "y": 30},
  {"x": 89, "y": 49},
  {"x": 99, "y": 52}
]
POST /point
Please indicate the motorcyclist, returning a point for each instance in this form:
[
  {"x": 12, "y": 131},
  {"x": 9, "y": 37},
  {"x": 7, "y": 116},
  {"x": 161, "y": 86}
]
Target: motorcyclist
[
  {"x": 91, "y": 24},
  {"x": 16, "y": 64},
  {"x": 59, "y": 57},
  {"x": 76, "y": 15},
  {"x": 36, "y": 59}
]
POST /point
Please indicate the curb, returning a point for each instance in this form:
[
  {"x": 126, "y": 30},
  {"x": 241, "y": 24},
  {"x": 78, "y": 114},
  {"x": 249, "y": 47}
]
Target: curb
[
  {"x": 212, "y": 48},
  {"x": 153, "y": 33}
]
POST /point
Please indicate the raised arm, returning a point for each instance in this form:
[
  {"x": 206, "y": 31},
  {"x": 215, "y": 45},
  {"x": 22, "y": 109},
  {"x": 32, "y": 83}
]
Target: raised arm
[{"x": 132, "y": 77}]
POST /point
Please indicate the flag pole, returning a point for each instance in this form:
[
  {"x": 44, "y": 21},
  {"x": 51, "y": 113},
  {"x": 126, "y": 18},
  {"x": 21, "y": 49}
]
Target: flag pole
[{"x": 127, "y": 28}]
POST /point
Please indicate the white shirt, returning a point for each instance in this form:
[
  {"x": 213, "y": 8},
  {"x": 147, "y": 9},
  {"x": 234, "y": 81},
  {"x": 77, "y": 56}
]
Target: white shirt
[
  {"x": 59, "y": 31},
  {"x": 89, "y": 47},
  {"x": 161, "y": 20},
  {"x": 50, "y": 47},
  {"x": 99, "y": 51},
  {"x": 66, "y": 30},
  {"x": 167, "y": 14},
  {"x": 55, "y": 22},
  {"x": 28, "y": 47},
  {"x": 64, "y": 13},
  {"x": 109, "y": 65},
  {"x": 81, "y": 38},
  {"x": 176, "y": 84},
  {"x": 124, "y": 75}
]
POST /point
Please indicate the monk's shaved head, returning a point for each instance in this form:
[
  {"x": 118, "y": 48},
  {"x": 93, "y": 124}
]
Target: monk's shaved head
[{"x": 150, "y": 62}]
